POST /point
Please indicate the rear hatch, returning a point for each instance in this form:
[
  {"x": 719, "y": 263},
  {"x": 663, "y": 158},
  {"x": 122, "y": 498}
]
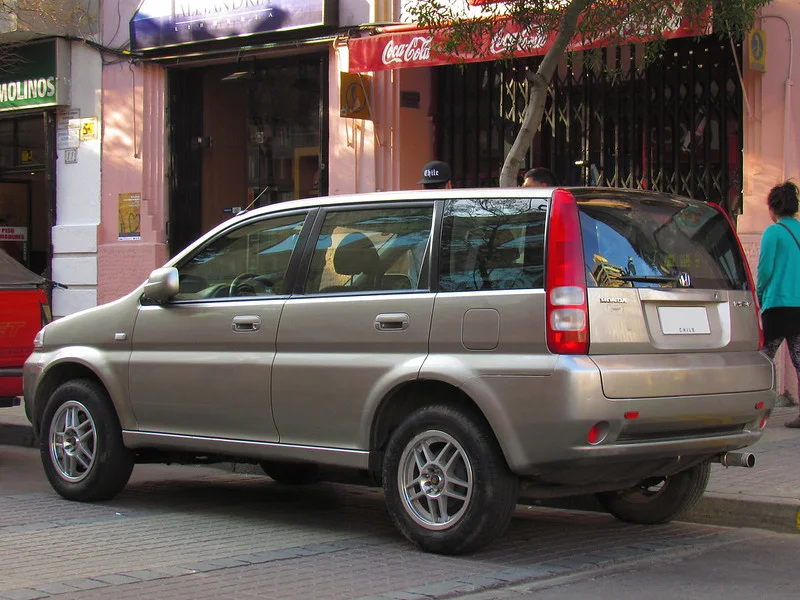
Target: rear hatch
[
  {"x": 671, "y": 306},
  {"x": 24, "y": 309}
]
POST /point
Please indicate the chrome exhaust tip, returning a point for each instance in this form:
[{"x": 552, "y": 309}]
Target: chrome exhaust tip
[{"x": 736, "y": 459}]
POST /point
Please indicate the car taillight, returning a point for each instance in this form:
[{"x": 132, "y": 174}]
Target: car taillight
[
  {"x": 750, "y": 281},
  {"x": 44, "y": 308},
  {"x": 567, "y": 310}
]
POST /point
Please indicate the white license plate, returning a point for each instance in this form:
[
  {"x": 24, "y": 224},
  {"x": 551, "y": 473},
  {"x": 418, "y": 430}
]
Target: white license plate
[{"x": 683, "y": 320}]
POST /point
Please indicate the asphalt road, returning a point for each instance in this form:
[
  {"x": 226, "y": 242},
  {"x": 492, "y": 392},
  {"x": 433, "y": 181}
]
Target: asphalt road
[{"x": 198, "y": 532}]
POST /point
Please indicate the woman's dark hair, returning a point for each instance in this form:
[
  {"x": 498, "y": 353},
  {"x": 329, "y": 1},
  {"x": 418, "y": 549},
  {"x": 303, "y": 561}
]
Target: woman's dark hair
[{"x": 782, "y": 199}]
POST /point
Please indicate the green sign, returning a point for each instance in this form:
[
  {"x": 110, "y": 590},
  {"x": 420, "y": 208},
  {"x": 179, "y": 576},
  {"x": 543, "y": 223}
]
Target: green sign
[{"x": 34, "y": 79}]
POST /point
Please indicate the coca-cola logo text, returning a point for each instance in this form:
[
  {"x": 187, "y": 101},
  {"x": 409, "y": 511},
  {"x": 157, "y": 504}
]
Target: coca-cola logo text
[
  {"x": 419, "y": 48},
  {"x": 518, "y": 41}
]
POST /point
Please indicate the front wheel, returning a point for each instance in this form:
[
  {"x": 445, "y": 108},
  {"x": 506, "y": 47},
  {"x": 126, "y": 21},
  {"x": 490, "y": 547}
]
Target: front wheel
[
  {"x": 660, "y": 500},
  {"x": 448, "y": 488},
  {"x": 81, "y": 443}
]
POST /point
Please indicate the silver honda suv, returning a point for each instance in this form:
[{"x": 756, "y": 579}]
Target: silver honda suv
[{"x": 451, "y": 344}]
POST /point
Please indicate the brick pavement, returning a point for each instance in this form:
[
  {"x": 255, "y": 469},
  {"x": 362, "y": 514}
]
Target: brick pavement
[
  {"x": 242, "y": 538},
  {"x": 212, "y": 534},
  {"x": 766, "y": 496}
]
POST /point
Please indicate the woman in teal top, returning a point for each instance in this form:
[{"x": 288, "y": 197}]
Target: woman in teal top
[{"x": 778, "y": 286}]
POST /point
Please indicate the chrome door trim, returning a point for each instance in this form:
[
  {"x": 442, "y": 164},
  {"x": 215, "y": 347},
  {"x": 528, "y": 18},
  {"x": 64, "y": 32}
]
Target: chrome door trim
[{"x": 340, "y": 457}]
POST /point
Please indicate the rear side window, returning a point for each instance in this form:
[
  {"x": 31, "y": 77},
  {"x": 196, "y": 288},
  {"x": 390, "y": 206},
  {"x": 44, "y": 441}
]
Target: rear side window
[
  {"x": 492, "y": 244},
  {"x": 371, "y": 250},
  {"x": 650, "y": 241}
]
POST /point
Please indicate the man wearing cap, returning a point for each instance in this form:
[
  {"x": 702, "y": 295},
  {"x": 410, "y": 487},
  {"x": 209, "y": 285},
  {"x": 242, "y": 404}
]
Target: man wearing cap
[{"x": 436, "y": 175}]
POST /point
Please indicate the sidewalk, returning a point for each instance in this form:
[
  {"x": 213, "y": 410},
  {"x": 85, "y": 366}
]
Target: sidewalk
[{"x": 764, "y": 497}]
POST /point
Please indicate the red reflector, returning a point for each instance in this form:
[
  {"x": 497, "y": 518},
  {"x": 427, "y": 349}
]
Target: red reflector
[
  {"x": 594, "y": 435},
  {"x": 632, "y": 414},
  {"x": 759, "y": 405},
  {"x": 763, "y": 423}
]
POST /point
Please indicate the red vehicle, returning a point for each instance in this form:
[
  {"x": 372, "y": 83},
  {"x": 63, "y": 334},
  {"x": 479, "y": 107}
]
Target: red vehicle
[{"x": 24, "y": 310}]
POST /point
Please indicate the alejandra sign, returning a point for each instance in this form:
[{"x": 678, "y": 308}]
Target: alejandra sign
[
  {"x": 163, "y": 23},
  {"x": 35, "y": 81}
]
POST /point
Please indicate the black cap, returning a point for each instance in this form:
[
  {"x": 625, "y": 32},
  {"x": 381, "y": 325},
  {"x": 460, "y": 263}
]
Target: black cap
[{"x": 435, "y": 171}]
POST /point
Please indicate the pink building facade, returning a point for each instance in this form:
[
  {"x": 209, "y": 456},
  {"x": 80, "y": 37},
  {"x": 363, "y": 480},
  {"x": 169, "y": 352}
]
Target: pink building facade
[{"x": 143, "y": 172}]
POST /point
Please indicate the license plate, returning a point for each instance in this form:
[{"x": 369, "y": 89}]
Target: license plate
[{"x": 683, "y": 320}]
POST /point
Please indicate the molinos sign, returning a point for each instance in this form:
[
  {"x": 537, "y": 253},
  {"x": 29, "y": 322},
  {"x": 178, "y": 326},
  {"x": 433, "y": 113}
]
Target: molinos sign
[
  {"x": 164, "y": 23},
  {"x": 39, "y": 78}
]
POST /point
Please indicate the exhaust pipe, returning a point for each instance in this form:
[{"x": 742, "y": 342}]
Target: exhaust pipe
[{"x": 736, "y": 459}]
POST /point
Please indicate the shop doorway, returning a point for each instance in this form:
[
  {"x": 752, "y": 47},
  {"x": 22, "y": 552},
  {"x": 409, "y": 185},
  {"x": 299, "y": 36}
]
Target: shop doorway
[
  {"x": 25, "y": 194},
  {"x": 241, "y": 135}
]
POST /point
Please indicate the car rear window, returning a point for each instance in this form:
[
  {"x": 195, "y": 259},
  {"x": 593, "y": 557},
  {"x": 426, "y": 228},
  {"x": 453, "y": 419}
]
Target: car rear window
[
  {"x": 649, "y": 240},
  {"x": 492, "y": 244}
]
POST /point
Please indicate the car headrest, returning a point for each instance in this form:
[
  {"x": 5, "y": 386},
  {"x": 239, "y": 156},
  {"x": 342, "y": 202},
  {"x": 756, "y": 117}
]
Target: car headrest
[{"x": 355, "y": 254}]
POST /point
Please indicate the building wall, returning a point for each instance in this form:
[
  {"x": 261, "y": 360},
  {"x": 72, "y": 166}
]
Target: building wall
[
  {"x": 133, "y": 161},
  {"x": 772, "y": 145},
  {"x": 74, "y": 234}
]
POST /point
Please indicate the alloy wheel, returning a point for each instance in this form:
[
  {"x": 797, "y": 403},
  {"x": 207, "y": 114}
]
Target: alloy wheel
[
  {"x": 435, "y": 480},
  {"x": 73, "y": 441}
]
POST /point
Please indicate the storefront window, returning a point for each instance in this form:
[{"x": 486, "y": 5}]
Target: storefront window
[{"x": 21, "y": 142}]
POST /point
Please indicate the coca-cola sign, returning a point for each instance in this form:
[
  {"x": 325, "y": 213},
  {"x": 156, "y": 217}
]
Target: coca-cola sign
[
  {"x": 416, "y": 50},
  {"x": 519, "y": 42}
]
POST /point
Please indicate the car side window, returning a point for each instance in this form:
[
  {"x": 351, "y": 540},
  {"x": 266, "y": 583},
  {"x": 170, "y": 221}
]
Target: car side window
[
  {"x": 366, "y": 250},
  {"x": 492, "y": 244},
  {"x": 248, "y": 261}
]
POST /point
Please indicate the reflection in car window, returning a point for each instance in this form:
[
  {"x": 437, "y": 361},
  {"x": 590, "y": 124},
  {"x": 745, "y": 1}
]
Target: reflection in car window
[
  {"x": 381, "y": 249},
  {"x": 249, "y": 261},
  {"x": 492, "y": 244},
  {"x": 649, "y": 243}
]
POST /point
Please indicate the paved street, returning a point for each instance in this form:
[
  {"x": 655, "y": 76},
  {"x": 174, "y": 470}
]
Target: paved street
[{"x": 196, "y": 532}]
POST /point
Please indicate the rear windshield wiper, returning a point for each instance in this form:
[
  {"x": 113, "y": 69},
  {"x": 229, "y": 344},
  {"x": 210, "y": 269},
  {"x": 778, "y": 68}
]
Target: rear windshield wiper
[{"x": 649, "y": 278}]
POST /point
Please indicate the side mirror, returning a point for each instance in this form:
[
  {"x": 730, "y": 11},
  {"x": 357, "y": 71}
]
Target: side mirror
[{"x": 161, "y": 285}]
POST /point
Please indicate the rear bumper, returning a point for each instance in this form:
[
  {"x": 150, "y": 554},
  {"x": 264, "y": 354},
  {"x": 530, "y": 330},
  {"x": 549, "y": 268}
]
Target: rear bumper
[
  {"x": 10, "y": 386},
  {"x": 543, "y": 423}
]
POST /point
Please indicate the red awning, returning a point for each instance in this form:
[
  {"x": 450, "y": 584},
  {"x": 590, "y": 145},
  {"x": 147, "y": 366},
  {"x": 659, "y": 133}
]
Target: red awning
[{"x": 399, "y": 47}]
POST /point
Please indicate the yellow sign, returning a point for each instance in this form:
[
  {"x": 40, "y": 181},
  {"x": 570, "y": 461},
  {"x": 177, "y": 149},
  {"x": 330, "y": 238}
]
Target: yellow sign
[
  {"x": 88, "y": 130},
  {"x": 25, "y": 156},
  {"x": 355, "y": 96},
  {"x": 130, "y": 216},
  {"x": 757, "y": 44}
]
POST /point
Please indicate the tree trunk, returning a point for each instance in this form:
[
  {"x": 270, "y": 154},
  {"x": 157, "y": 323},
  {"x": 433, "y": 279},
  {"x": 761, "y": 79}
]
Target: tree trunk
[{"x": 541, "y": 81}]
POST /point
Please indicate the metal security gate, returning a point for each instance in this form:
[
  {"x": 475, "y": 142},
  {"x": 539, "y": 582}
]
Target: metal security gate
[{"x": 673, "y": 125}]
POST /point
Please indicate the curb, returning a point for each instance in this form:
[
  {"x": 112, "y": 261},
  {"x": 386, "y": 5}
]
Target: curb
[
  {"x": 781, "y": 515},
  {"x": 13, "y": 434}
]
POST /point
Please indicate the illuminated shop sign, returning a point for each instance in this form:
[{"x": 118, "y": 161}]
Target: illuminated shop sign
[
  {"x": 163, "y": 23},
  {"x": 38, "y": 76}
]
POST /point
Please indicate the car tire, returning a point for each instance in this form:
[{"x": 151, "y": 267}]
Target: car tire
[
  {"x": 447, "y": 485},
  {"x": 81, "y": 443},
  {"x": 654, "y": 502},
  {"x": 291, "y": 473}
]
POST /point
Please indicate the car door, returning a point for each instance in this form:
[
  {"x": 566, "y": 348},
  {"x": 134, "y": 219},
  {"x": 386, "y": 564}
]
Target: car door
[
  {"x": 359, "y": 326},
  {"x": 201, "y": 364}
]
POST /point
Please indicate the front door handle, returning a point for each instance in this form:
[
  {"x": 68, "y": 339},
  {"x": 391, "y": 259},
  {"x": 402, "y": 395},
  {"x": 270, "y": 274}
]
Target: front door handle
[
  {"x": 392, "y": 322},
  {"x": 246, "y": 323}
]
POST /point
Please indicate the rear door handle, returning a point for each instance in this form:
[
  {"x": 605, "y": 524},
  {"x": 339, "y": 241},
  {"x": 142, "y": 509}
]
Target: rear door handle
[
  {"x": 392, "y": 322},
  {"x": 246, "y": 323}
]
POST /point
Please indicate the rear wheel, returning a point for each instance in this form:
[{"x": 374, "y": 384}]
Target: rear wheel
[
  {"x": 448, "y": 488},
  {"x": 81, "y": 443},
  {"x": 291, "y": 473},
  {"x": 658, "y": 500}
]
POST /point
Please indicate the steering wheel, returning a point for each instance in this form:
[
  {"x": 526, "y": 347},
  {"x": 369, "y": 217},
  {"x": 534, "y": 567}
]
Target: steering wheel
[{"x": 240, "y": 279}]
